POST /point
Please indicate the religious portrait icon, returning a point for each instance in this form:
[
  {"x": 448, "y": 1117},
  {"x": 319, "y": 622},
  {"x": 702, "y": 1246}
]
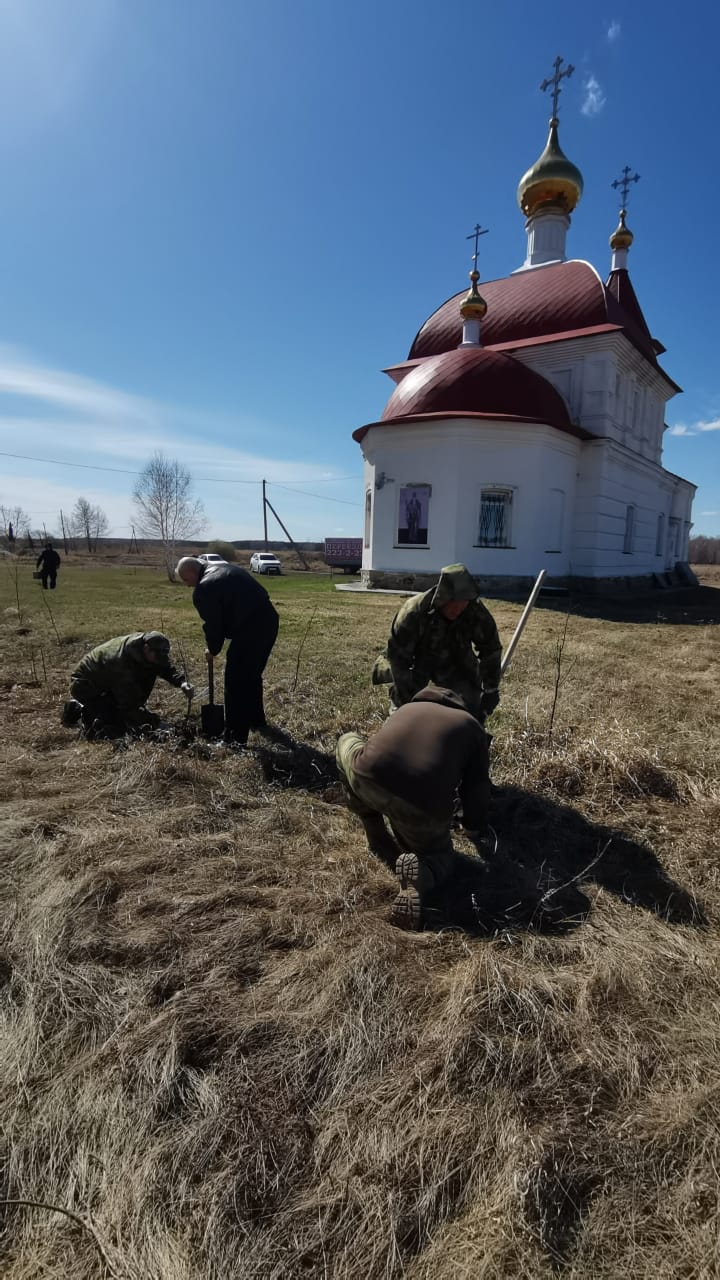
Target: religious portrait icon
[{"x": 413, "y": 515}]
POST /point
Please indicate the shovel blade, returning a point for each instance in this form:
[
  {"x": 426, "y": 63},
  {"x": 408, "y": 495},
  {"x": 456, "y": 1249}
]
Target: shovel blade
[{"x": 212, "y": 720}]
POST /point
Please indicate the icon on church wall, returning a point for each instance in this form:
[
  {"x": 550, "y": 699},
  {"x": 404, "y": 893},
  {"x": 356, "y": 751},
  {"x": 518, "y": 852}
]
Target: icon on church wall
[{"x": 413, "y": 515}]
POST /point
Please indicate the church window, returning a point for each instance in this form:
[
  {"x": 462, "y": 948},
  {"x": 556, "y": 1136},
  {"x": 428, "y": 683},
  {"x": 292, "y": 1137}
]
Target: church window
[
  {"x": 368, "y": 516},
  {"x": 494, "y": 523},
  {"x": 629, "y": 530},
  {"x": 659, "y": 535},
  {"x": 555, "y": 513}
]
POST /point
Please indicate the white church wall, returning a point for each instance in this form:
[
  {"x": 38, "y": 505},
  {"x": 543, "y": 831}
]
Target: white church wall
[
  {"x": 609, "y": 387},
  {"x": 620, "y": 500},
  {"x": 529, "y": 471}
]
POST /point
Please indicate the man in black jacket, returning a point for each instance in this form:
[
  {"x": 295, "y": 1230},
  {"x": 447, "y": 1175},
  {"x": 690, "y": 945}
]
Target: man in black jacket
[
  {"x": 235, "y": 607},
  {"x": 48, "y": 562}
]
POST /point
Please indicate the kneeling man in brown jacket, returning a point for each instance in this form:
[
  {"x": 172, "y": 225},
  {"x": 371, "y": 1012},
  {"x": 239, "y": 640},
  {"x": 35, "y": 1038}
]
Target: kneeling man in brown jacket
[{"x": 410, "y": 772}]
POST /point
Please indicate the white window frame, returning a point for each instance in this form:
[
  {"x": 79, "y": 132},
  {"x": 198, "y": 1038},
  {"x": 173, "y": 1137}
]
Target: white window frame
[
  {"x": 368, "y": 518},
  {"x": 497, "y": 490}
]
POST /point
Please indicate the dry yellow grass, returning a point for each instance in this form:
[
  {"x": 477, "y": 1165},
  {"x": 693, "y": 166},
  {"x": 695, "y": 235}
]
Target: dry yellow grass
[{"x": 219, "y": 1055}]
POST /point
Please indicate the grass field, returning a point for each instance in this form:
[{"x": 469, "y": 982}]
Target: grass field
[{"x": 217, "y": 1053}]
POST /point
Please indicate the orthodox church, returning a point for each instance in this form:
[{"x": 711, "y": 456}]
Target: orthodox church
[{"x": 525, "y": 428}]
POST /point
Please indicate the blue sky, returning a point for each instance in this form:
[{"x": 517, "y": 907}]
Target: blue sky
[{"x": 219, "y": 220}]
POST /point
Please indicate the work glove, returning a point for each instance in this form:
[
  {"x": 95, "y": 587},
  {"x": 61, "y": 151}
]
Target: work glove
[
  {"x": 489, "y": 701},
  {"x": 187, "y": 689}
]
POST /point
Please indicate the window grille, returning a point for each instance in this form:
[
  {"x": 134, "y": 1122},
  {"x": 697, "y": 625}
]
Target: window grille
[{"x": 494, "y": 525}]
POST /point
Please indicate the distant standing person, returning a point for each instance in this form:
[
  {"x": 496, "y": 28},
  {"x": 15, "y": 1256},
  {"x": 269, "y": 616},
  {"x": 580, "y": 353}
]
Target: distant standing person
[
  {"x": 235, "y": 607},
  {"x": 48, "y": 562}
]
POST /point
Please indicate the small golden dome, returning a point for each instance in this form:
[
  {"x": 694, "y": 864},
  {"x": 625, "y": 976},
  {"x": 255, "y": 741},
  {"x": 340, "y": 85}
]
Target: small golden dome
[
  {"x": 552, "y": 180},
  {"x": 473, "y": 307},
  {"x": 622, "y": 237}
]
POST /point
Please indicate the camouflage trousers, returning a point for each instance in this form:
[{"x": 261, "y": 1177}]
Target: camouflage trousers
[{"x": 430, "y": 838}]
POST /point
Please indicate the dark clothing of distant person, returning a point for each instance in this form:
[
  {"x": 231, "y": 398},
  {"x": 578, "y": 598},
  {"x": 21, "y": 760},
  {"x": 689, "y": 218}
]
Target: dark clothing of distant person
[
  {"x": 11, "y": 533},
  {"x": 48, "y": 562},
  {"x": 235, "y": 607}
]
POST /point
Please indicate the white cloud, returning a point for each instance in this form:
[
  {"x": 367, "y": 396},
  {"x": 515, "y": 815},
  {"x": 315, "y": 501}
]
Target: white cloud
[
  {"x": 613, "y": 31},
  {"x": 594, "y": 99},
  {"x": 713, "y": 424},
  {"x": 710, "y": 513},
  {"x": 98, "y": 424},
  {"x": 82, "y": 424}
]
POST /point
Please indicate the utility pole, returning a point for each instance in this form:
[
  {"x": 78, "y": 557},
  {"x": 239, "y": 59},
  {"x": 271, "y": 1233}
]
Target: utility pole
[
  {"x": 298, "y": 552},
  {"x": 265, "y": 515},
  {"x": 62, "y": 526}
]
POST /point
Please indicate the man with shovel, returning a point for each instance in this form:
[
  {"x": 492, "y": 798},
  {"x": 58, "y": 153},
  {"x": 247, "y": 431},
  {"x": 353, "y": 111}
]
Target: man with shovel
[
  {"x": 445, "y": 636},
  {"x": 235, "y": 607}
]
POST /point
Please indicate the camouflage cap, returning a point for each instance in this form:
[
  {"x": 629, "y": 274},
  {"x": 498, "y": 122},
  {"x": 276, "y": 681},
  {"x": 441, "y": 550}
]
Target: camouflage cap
[
  {"x": 456, "y": 583},
  {"x": 156, "y": 640}
]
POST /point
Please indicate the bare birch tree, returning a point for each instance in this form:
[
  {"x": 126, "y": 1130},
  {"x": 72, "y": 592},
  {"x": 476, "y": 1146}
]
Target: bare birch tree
[
  {"x": 165, "y": 506},
  {"x": 16, "y": 518},
  {"x": 89, "y": 522}
]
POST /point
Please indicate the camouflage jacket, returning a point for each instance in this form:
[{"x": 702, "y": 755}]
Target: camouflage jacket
[
  {"x": 425, "y": 647},
  {"x": 120, "y": 667}
]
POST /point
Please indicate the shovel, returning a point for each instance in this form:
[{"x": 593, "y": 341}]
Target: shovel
[{"x": 212, "y": 716}]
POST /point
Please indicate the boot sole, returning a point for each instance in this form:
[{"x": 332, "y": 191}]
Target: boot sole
[{"x": 406, "y": 910}]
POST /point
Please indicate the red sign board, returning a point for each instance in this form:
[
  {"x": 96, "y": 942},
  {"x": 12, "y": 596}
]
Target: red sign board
[{"x": 341, "y": 551}]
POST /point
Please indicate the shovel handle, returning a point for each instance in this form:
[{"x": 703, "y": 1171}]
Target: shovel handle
[{"x": 211, "y": 679}]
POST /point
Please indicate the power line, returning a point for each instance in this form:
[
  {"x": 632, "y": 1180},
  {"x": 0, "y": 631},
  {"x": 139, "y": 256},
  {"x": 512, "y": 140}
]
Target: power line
[
  {"x": 83, "y": 466},
  {"x": 320, "y": 497},
  {"x": 122, "y": 471}
]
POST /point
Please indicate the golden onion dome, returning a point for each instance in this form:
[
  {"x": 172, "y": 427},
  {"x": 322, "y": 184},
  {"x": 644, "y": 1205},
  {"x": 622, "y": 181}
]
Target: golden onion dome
[
  {"x": 552, "y": 180},
  {"x": 473, "y": 307},
  {"x": 622, "y": 237}
]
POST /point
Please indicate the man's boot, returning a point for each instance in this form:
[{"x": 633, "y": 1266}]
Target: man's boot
[
  {"x": 71, "y": 713},
  {"x": 380, "y": 842},
  {"x": 415, "y": 880}
]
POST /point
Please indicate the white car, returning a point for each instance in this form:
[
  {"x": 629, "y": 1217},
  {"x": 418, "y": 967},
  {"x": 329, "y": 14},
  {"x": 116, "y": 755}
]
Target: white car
[
  {"x": 210, "y": 557},
  {"x": 265, "y": 562}
]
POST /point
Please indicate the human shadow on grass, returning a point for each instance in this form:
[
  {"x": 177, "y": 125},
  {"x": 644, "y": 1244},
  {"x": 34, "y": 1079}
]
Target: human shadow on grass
[
  {"x": 533, "y": 877},
  {"x": 681, "y": 606}
]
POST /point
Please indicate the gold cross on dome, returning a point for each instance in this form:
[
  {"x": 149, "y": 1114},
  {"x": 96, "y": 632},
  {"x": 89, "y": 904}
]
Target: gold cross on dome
[
  {"x": 555, "y": 82},
  {"x": 475, "y": 235},
  {"x": 623, "y": 182}
]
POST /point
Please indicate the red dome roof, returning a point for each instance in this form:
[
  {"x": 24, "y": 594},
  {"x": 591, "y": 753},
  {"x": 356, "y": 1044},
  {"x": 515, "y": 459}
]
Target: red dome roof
[
  {"x": 564, "y": 298},
  {"x": 474, "y": 382}
]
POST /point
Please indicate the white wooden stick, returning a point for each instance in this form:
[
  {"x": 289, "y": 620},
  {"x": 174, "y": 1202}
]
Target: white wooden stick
[{"x": 507, "y": 656}]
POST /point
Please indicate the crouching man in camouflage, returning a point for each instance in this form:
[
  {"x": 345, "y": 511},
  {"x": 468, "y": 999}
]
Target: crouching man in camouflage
[
  {"x": 114, "y": 681},
  {"x": 445, "y": 636},
  {"x": 409, "y": 772}
]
